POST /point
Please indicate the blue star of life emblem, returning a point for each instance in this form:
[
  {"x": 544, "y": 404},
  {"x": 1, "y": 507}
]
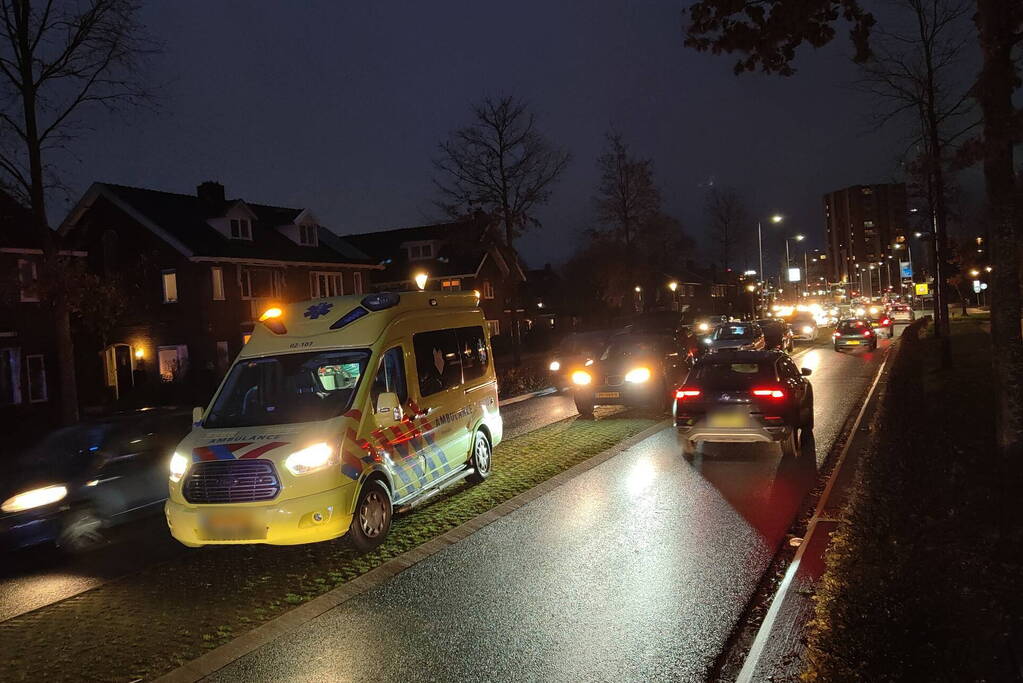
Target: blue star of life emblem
[{"x": 316, "y": 310}]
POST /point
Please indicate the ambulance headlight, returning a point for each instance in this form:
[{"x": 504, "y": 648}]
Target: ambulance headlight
[
  {"x": 554, "y": 366},
  {"x": 637, "y": 375},
  {"x": 34, "y": 498},
  {"x": 178, "y": 466},
  {"x": 581, "y": 378},
  {"x": 310, "y": 459}
]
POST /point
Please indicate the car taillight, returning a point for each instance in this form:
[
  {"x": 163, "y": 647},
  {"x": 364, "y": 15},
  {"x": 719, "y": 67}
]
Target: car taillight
[
  {"x": 769, "y": 393},
  {"x": 866, "y": 333},
  {"x": 837, "y": 334},
  {"x": 683, "y": 394},
  {"x": 886, "y": 321}
]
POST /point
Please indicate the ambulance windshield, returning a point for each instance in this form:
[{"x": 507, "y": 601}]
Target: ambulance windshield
[{"x": 289, "y": 388}]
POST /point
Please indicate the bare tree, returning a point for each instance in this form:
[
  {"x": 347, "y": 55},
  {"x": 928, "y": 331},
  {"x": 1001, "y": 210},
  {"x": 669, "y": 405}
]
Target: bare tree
[
  {"x": 500, "y": 163},
  {"x": 627, "y": 198},
  {"x": 914, "y": 72},
  {"x": 727, "y": 216},
  {"x": 57, "y": 59}
]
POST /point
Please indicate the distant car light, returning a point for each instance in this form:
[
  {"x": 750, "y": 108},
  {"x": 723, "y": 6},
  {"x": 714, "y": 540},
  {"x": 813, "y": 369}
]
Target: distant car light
[
  {"x": 554, "y": 366},
  {"x": 703, "y": 327},
  {"x": 316, "y": 457},
  {"x": 581, "y": 378},
  {"x": 34, "y": 498},
  {"x": 178, "y": 466},
  {"x": 637, "y": 375},
  {"x": 807, "y": 329}
]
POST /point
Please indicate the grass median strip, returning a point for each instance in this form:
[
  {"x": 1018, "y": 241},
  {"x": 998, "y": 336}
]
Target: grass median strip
[{"x": 149, "y": 623}]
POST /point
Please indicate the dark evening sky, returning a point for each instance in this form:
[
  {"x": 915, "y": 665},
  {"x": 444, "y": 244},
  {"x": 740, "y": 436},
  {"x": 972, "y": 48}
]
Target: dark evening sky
[{"x": 339, "y": 107}]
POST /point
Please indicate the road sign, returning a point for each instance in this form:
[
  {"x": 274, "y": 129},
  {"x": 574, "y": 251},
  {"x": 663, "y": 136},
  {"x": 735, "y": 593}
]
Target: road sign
[
  {"x": 922, "y": 289},
  {"x": 905, "y": 269},
  {"x": 976, "y": 286},
  {"x": 794, "y": 275}
]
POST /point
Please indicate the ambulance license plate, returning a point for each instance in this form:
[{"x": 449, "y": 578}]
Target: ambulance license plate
[
  {"x": 608, "y": 394},
  {"x": 229, "y": 526}
]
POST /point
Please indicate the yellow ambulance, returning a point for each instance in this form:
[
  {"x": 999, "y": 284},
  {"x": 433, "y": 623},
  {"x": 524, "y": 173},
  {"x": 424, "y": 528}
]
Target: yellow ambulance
[{"x": 337, "y": 413}]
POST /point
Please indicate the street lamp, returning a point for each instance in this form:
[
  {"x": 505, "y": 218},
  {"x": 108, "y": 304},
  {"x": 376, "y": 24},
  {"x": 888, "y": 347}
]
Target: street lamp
[
  {"x": 776, "y": 218},
  {"x": 421, "y": 279},
  {"x": 673, "y": 286}
]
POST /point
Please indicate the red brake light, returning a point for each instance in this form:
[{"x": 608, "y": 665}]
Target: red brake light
[
  {"x": 769, "y": 393},
  {"x": 837, "y": 334},
  {"x": 866, "y": 333},
  {"x": 886, "y": 321},
  {"x": 683, "y": 394}
]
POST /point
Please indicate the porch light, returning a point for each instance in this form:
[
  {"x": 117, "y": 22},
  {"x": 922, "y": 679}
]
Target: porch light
[{"x": 421, "y": 279}]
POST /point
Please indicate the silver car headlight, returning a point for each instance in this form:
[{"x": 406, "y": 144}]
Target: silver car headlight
[{"x": 34, "y": 498}]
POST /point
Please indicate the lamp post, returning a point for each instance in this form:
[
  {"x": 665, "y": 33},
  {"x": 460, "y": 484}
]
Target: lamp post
[
  {"x": 421, "y": 279},
  {"x": 788, "y": 261},
  {"x": 673, "y": 286},
  {"x": 776, "y": 218}
]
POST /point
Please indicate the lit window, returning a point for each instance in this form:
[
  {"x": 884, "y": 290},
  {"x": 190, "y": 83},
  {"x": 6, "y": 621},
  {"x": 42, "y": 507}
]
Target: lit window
[
  {"x": 487, "y": 290},
  {"x": 451, "y": 285},
  {"x": 28, "y": 280},
  {"x": 218, "y": 283},
  {"x": 494, "y": 327},
  {"x": 246, "y": 338},
  {"x": 173, "y": 362},
  {"x": 170, "y": 287}
]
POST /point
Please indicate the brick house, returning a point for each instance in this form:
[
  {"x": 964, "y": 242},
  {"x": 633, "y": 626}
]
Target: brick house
[
  {"x": 463, "y": 255},
  {"x": 199, "y": 270},
  {"x": 29, "y": 386}
]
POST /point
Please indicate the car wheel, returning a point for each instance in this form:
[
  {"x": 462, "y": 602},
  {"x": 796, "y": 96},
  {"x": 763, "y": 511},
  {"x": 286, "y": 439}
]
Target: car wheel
[
  {"x": 808, "y": 415},
  {"x": 372, "y": 519},
  {"x": 584, "y": 406},
  {"x": 789, "y": 447},
  {"x": 482, "y": 458},
  {"x": 81, "y": 530},
  {"x": 838, "y": 349},
  {"x": 873, "y": 345}
]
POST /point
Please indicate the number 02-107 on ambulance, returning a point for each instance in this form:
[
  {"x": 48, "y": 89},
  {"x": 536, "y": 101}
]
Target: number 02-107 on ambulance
[{"x": 336, "y": 413}]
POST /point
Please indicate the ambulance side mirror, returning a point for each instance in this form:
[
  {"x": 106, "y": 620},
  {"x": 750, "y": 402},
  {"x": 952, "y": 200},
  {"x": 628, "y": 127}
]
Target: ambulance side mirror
[
  {"x": 197, "y": 415},
  {"x": 388, "y": 410}
]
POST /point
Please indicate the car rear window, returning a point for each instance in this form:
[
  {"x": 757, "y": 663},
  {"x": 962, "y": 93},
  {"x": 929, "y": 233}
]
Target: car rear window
[
  {"x": 852, "y": 326},
  {"x": 731, "y": 373}
]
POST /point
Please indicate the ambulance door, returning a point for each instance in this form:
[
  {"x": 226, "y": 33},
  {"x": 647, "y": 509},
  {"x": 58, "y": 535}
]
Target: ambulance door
[
  {"x": 403, "y": 459},
  {"x": 439, "y": 407}
]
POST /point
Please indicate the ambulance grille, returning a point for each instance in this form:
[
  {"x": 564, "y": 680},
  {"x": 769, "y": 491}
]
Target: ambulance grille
[{"x": 231, "y": 481}]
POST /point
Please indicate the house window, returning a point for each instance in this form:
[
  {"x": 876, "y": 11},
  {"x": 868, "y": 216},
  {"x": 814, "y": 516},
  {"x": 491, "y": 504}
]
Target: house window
[
  {"x": 173, "y": 362},
  {"x": 868, "y": 224},
  {"x": 36, "y": 378},
  {"x": 218, "y": 283},
  {"x": 10, "y": 376},
  {"x": 718, "y": 290},
  {"x": 170, "y": 287},
  {"x": 28, "y": 280},
  {"x": 323, "y": 285},
  {"x": 494, "y": 327},
  {"x": 245, "y": 283},
  {"x": 241, "y": 229},
  {"x": 307, "y": 235},
  {"x": 357, "y": 283},
  {"x": 223, "y": 357},
  {"x": 451, "y": 285},
  {"x": 260, "y": 283},
  {"x": 418, "y": 252},
  {"x": 487, "y": 290}
]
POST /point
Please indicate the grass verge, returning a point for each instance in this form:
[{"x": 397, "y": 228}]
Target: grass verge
[
  {"x": 922, "y": 577},
  {"x": 153, "y": 621}
]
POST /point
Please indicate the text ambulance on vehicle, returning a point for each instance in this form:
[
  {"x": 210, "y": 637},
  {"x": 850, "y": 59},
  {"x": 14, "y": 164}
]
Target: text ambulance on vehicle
[{"x": 335, "y": 414}]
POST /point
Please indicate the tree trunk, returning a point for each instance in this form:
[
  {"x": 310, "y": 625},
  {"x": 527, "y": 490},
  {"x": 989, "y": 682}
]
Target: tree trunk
[{"x": 994, "y": 94}]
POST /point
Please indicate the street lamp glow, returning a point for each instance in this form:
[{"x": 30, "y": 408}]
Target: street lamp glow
[
  {"x": 800, "y": 238},
  {"x": 776, "y": 218},
  {"x": 421, "y": 279},
  {"x": 974, "y": 272},
  {"x": 751, "y": 288},
  {"x": 987, "y": 268},
  {"x": 673, "y": 286},
  {"x": 638, "y": 288}
]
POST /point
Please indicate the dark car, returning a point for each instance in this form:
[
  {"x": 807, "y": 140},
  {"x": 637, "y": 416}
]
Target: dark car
[
  {"x": 572, "y": 354},
  {"x": 777, "y": 334},
  {"x": 736, "y": 336},
  {"x": 854, "y": 333},
  {"x": 744, "y": 397},
  {"x": 633, "y": 370},
  {"x": 882, "y": 325},
  {"x": 81, "y": 479}
]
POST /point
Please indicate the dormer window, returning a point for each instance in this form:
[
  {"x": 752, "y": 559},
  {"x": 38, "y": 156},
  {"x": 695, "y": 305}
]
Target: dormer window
[
  {"x": 307, "y": 235},
  {"x": 241, "y": 229},
  {"x": 417, "y": 252}
]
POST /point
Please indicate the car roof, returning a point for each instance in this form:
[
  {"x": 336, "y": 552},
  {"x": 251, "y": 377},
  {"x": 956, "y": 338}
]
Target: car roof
[{"x": 731, "y": 355}]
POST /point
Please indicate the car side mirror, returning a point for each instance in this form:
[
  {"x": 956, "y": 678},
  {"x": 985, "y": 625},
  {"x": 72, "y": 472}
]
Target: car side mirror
[
  {"x": 805, "y": 372},
  {"x": 388, "y": 410},
  {"x": 197, "y": 415}
]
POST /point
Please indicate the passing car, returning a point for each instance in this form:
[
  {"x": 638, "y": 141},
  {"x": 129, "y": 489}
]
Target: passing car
[
  {"x": 804, "y": 325},
  {"x": 901, "y": 313},
  {"x": 777, "y": 334},
  {"x": 854, "y": 333},
  {"x": 572, "y": 354},
  {"x": 744, "y": 397},
  {"x": 634, "y": 370},
  {"x": 736, "y": 336},
  {"x": 882, "y": 326},
  {"x": 78, "y": 481},
  {"x": 666, "y": 323},
  {"x": 705, "y": 326}
]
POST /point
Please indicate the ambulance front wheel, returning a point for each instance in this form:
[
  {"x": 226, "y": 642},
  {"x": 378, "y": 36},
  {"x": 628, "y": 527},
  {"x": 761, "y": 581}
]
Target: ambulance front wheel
[
  {"x": 482, "y": 458},
  {"x": 372, "y": 518}
]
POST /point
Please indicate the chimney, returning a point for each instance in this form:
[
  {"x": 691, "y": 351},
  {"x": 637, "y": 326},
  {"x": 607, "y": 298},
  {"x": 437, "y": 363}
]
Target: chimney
[{"x": 211, "y": 192}]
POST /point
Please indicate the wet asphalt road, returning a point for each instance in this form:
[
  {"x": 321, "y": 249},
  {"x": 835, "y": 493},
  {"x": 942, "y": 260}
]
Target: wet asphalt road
[
  {"x": 635, "y": 570},
  {"x": 35, "y": 578}
]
